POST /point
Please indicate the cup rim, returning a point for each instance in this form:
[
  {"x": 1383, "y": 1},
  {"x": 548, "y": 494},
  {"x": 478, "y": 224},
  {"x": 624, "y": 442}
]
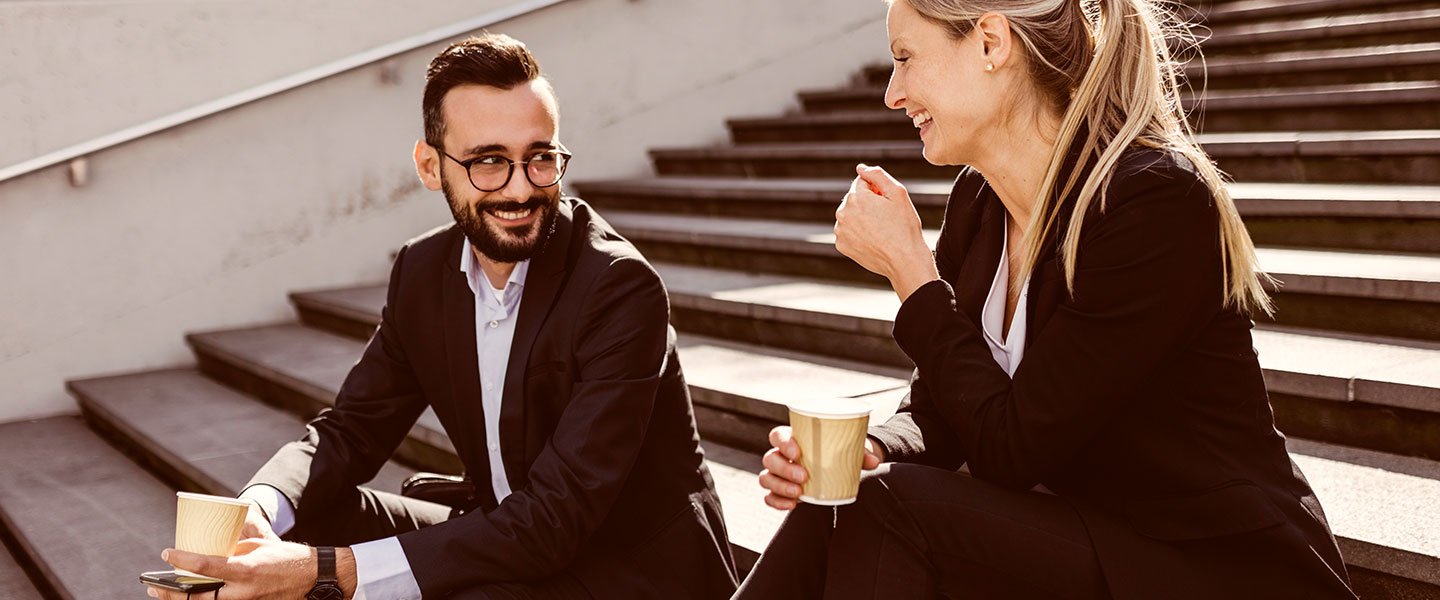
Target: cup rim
[
  {"x": 832, "y": 408},
  {"x": 210, "y": 498}
]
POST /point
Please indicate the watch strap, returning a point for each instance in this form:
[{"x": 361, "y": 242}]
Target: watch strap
[{"x": 325, "y": 573}]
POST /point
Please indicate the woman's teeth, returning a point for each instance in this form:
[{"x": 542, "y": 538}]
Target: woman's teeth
[
  {"x": 921, "y": 118},
  {"x": 512, "y": 215}
]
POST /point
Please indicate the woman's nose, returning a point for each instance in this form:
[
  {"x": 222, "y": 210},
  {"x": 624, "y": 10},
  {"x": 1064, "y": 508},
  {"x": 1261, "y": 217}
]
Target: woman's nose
[{"x": 894, "y": 93}]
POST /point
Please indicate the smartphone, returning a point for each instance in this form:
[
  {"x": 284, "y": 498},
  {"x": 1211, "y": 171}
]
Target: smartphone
[{"x": 181, "y": 582}]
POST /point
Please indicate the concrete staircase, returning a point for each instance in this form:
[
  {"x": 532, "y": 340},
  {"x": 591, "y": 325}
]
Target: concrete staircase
[{"x": 1327, "y": 112}]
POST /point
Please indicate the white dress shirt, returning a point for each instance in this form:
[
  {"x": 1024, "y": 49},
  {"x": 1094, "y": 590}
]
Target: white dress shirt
[
  {"x": 382, "y": 571},
  {"x": 1007, "y": 349}
]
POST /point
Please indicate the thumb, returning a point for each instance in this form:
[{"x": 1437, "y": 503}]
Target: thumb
[
  {"x": 212, "y": 566},
  {"x": 881, "y": 182}
]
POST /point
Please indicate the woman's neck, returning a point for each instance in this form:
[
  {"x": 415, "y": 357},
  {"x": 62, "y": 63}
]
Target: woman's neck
[{"x": 1016, "y": 167}]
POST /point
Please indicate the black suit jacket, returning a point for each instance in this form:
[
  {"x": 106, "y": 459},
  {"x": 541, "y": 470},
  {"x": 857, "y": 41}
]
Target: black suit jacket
[
  {"x": 597, "y": 433},
  {"x": 1139, "y": 401}
]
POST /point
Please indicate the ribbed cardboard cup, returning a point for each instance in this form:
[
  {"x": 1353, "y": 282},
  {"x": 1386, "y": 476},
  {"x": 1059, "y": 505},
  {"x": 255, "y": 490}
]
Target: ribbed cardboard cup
[
  {"x": 831, "y": 435},
  {"x": 208, "y": 524}
]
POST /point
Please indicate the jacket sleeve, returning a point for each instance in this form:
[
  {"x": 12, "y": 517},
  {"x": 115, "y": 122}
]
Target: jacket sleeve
[
  {"x": 620, "y": 348},
  {"x": 1147, "y": 279},
  {"x": 347, "y": 445},
  {"x": 917, "y": 433}
]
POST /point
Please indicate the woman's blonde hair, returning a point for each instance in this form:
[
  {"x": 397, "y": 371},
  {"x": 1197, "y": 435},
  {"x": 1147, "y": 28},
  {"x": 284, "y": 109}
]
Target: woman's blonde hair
[{"x": 1108, "y": 65}]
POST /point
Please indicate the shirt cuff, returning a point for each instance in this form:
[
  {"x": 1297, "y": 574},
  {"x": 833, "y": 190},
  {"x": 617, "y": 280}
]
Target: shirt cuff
[
  {"x": 382, "y": 572},
  {"x": 276, "y": 506}
]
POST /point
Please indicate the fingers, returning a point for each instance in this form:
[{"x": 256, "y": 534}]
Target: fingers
[
  {"x": 783, "y": 467},
  {"x": 163, "y": 594},
  {"x": 779, "y": 485},
  {"x": 779, "y": 503},
  {"x": 881, "y": 182},
  {"x": 211, "y": 566},
  {"x": 781, "y": 440}
]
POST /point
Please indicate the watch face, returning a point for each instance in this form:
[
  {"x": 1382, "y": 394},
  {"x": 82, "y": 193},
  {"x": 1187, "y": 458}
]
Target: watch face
[{"x": 325, "y": 591}]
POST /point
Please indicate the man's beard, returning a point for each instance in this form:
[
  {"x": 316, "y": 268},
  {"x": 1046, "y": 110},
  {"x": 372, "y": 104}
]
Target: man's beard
[{"x": 515, "y": 247}]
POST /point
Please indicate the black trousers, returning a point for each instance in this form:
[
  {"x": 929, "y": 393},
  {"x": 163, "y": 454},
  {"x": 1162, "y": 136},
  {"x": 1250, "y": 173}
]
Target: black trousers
[
  {"x": 922, "y": 532},
  {"x": 368, "y": 514}
]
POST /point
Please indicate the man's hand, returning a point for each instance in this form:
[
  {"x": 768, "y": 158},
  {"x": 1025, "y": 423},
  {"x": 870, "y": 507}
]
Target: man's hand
[
  {"x": 261, "y": 569},
  {"x": 256, "y": 525},
  {"x": 783, "y": 475}
]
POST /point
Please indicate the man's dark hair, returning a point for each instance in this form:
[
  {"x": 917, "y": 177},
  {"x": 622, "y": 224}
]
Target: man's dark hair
[{"x": 495, "y": 60}]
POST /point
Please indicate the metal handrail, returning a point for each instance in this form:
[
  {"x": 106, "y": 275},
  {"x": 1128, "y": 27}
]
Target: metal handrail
[{"x": 271, "y": 88}]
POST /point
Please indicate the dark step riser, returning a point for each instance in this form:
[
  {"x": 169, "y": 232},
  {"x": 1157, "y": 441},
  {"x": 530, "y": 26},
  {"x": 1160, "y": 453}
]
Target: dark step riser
[
  {"x": 1215, "y": 119},
  {"x": 1368, "y": 316},
  {"x": 786, "y": 334},
  {"x": 779, "y": 210},
  {"x": 1417, "y": 32},
  {"x": 1399, "y": 168},
  {"x": 1396, "y": 318},
  {"x": 325, "y": 321},
  {"x": 412, "y": 452},
  {"x": 45, "y": 581},
  {"x": 1288, "y": 11},
  {"x": 1384, "y": 428},
  {"x": 798, "y": 167},
  {"x": 1371, "y": 234},
  {"x": 1228, "y": 79}
]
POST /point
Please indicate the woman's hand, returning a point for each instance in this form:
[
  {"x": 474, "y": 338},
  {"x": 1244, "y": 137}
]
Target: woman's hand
[
  {"x": 877, "y": 227},
  {"x": 783, "y": 475}
]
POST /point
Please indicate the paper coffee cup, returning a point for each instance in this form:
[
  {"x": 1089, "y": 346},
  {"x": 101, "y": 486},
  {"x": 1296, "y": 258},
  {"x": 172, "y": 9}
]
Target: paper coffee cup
[
  {"x": 831, "y": 435},
  {"x": 208, "y": 524}
]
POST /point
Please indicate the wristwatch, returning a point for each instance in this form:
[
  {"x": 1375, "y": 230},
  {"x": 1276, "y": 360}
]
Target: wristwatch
[{"x": 327, "y": 586}]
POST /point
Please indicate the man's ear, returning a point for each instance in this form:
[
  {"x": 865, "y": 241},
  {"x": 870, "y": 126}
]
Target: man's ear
[
  {"x": 996, "y": 43},
  {"x": 427, "y": 165}
]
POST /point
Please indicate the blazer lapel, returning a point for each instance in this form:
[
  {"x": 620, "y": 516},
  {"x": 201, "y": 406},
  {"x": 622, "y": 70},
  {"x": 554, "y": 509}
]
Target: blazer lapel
[
  {"x": 983, "y": 256},
  {"x": 464, "y": 364},
  {"x": 542, "y": 283}
]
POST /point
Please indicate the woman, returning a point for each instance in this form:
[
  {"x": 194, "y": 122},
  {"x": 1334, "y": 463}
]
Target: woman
[{"x": 1081, "y": 337}]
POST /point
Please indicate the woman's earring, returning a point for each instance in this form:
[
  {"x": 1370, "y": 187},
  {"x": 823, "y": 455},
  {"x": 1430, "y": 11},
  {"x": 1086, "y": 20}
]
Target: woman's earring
[{"x": 989, "y": 66}]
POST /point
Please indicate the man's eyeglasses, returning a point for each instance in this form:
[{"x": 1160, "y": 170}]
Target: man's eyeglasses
[{"x": 492, "y": 172}]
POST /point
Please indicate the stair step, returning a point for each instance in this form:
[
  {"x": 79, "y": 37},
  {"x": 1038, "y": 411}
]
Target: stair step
[
  {"x": 88, "y": 518},
  {"x": 1419, "y": 25},
  {"x": 300, "y": 369},
  {"x": 1401, "y": 292},
  {"x": 1330, "y": 66},
  {"x": 14, "y": 585},
  {"x": 1337, "y": 66},
  {"x": 194, "y": 432},
  {"x": 860, "y": 114},
  {"x": 1360, "y": 217},
  {"x": 1250, "y": 11},
  {"x": 1398, "y": 156}
]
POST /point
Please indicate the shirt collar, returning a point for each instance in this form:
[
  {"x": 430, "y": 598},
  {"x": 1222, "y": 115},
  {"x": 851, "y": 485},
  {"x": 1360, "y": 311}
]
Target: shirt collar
[{"x": 476, "y": 276}]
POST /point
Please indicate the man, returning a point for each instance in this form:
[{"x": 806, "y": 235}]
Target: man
[{"x": 540, "y": 337}]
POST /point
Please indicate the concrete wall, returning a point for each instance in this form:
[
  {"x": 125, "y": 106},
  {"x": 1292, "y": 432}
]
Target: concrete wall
[
  {"x": 209, "y": 225},
  {"x": 71, "y": 70}
]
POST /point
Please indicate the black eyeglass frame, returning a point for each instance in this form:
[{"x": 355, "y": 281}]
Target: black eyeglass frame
[{"x": 510, "y": 173}]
